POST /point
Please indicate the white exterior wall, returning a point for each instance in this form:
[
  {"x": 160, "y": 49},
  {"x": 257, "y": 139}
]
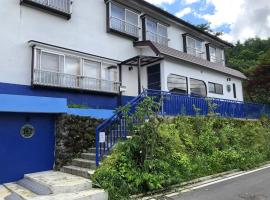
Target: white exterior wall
[
  {"x": 85, "y": 31},
  {"x": 192, "y": 71}
]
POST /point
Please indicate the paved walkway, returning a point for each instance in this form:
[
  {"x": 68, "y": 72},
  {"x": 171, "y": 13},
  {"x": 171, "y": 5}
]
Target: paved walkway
[{"x": 254, "y": 186}]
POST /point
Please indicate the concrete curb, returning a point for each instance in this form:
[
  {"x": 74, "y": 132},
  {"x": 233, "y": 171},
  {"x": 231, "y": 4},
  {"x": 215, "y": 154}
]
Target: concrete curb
[{"x": 197, "y": 183}]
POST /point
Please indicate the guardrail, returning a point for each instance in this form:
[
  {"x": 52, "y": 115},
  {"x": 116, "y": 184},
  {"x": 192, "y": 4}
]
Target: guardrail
[
  {"x": 61, "y": 5},
  {"x": 58, "y": 79},
  {"x": 124, "y": 27},
  {"x": 115, "y": 128}
]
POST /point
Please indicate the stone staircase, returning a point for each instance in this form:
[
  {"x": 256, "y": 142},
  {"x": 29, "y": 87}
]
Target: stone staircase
[
  {"x": 83, "y": 166},
  {"x": 51, "y": 185}
]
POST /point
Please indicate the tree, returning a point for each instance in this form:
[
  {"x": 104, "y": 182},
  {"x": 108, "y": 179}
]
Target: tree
[
  {"x": 206, "y": 27},
  {"x": 258, "y": 85}
]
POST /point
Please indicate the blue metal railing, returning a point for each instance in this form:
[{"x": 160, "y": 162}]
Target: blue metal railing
[
  {"x": 115, "y": 129},
  {"x": 172, "y": 104}
]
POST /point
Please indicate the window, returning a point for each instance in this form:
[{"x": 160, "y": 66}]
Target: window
[
  {"x": 198, "y": 88},
  {"x": 216, "y": 55},
  {"x": 60, "y": 7},
  {"x": 123, "y": 20},
  {"x": 215, "y": 88},
  {"x": 234, "y": 91},
  {"x": 177, "y": 84},
  {"x": 52, "y": 68},
  {"x": 195, "y": 47},
  {"x": 156, "y": 32}
]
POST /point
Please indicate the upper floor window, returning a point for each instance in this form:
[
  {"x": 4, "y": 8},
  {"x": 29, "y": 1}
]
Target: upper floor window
[
  {"x": 216, "y": 55},
  {"x": 198, "y": 88},
  {"x": 156, "y": 32},
  {"x": 215, "y": 88},
  {"x": 66, "y": 70},
  {"x": 177, "y": 84},
  {"x": 61, "y": 7},
  {"x": 195, "y": 47},
  {"x": 123, "y": 20}
]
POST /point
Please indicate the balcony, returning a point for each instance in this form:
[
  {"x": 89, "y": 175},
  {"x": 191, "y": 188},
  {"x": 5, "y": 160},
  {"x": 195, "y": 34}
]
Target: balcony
[
  {"x": 217, "y": 60},
  {"x": 59, "y": 7},
  {"x": 196, "y": 52},
  {"x": 124, "y": 27},
  {"x": 154, "y": 37},
  {"x": 63, "y": 80}
]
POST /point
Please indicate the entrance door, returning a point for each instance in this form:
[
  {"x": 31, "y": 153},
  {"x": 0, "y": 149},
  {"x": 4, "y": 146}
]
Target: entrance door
[
  {"x": 26, "y": 145},
  {"x": 153, "y": 77}
]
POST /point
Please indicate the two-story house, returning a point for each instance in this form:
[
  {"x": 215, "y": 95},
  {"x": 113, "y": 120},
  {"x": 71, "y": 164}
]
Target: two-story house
[
  {"x": 96, "y": 53},
  {"x": 101, "y": 53}
]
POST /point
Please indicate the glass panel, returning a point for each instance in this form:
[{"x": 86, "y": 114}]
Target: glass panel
[
  {"x": 219, "y": 89},
  {"x": 162, "y": 30},
  {"x": 219, "y": 55},
  {"x": 91, "y": 72},
  {"x": 197, "y": 87},
  {"x": 117, "y": 11},
  {"x": 177, "y": 84},
  {"x": 72, "y": 65},
  {"x": 211, "y": 87},
  {"x": 151, "y": 26},
  {"x": 132, "y": 18},
  {"x": 50, "y": 62},
  {"x": 91, "y": 69}
]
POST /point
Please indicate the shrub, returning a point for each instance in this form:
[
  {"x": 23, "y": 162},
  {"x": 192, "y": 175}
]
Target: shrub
[
  {"x": 164, "y": 152},
  {"x": 74, "y": 134}
]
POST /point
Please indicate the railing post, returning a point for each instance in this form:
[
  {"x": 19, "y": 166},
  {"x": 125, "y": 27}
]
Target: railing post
[
  {"x": 97, "y": 147},
  {"x": 162, "y": 103}
]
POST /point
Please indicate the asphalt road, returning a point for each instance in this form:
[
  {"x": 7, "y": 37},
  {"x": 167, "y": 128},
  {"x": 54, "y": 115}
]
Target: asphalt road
[{"x": 254, "y": 186}]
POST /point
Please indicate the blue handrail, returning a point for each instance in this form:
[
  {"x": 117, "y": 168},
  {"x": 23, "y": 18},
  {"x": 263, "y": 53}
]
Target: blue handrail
[{"x": 173, "y": 104}]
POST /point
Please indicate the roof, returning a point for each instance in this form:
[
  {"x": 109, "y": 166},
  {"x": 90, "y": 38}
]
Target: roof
[
  {"x": 178, "y": 20},
  {"x": 159, "y": 49},
  {"x": 141, "y": 60}
]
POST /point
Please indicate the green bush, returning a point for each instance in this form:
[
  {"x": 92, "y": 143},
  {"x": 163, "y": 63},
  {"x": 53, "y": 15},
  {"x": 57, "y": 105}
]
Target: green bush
[
  {"x": 164, "y": 152},
  {"x": 74, "y": 134}
]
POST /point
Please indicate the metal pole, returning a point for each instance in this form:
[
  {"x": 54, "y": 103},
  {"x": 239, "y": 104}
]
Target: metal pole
[{"x": 139, "y": 75}]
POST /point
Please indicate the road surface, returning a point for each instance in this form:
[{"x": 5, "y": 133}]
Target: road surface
[{"x": 254, "y": 186}]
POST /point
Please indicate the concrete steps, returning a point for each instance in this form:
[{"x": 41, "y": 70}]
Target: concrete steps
[
  {"x": 52, "y": 186},
  {"x": 83, "y": 166},
  {"x": 4, "y": 192}
]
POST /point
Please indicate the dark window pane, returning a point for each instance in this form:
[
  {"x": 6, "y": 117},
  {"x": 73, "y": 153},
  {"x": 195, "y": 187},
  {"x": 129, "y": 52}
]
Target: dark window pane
[
  {"x": 219, "y": 88},
  {"x": 211, "y": 87},
  {"x": 197, "y": 88},
  {"x": 177, "y": 84}
]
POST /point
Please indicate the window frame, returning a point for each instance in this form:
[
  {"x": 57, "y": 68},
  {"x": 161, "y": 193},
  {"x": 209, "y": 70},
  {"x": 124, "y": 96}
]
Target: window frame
[
  {"x": 185, "y": 77},
  {"x": 37, "y": 69},
  {"x": 156, "y": 34},
  {"x": 122, "y": 32},
  {"x": 215, "y": 88},
  {"x": 214, "y": 58},
  {"x": 202, "y": 51},
  {"x": 196, "y": 95},
  {"x": 49, "y": 9}
]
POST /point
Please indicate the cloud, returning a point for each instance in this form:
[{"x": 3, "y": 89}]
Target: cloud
[
  {"x": 160, "y": 2},
  {"x": 183, "y": 12},
  {"x": 246, "y": 18},
  {"x": 187, "y": 2}
]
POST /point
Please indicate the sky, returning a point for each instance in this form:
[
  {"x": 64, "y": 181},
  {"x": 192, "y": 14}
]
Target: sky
[{"x": 238, "y": 19}]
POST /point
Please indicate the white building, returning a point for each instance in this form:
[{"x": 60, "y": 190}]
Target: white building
[{"x": 82, "y": 50}]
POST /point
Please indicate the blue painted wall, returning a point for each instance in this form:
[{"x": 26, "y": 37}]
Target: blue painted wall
[
  {"x": 19, "y": 156},
  {"x": 73, "y": 97}
]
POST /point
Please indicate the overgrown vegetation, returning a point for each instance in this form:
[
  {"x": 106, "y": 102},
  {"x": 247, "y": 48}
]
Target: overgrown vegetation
[
  {"x": 74, "y": 134},
  {"x": 164, "y": 152}
]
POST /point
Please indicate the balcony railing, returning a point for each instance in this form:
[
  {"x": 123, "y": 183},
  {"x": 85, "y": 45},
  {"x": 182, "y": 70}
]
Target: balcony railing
[
  {"x": 195, "y": 52},
  {"x": 163, "y": 40},
  {"x": 217, "y": 60},
  {"x": 63, "y": 80},
  {"x": 124, "y": 27},
  {"x": 63, "y": 6}
]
